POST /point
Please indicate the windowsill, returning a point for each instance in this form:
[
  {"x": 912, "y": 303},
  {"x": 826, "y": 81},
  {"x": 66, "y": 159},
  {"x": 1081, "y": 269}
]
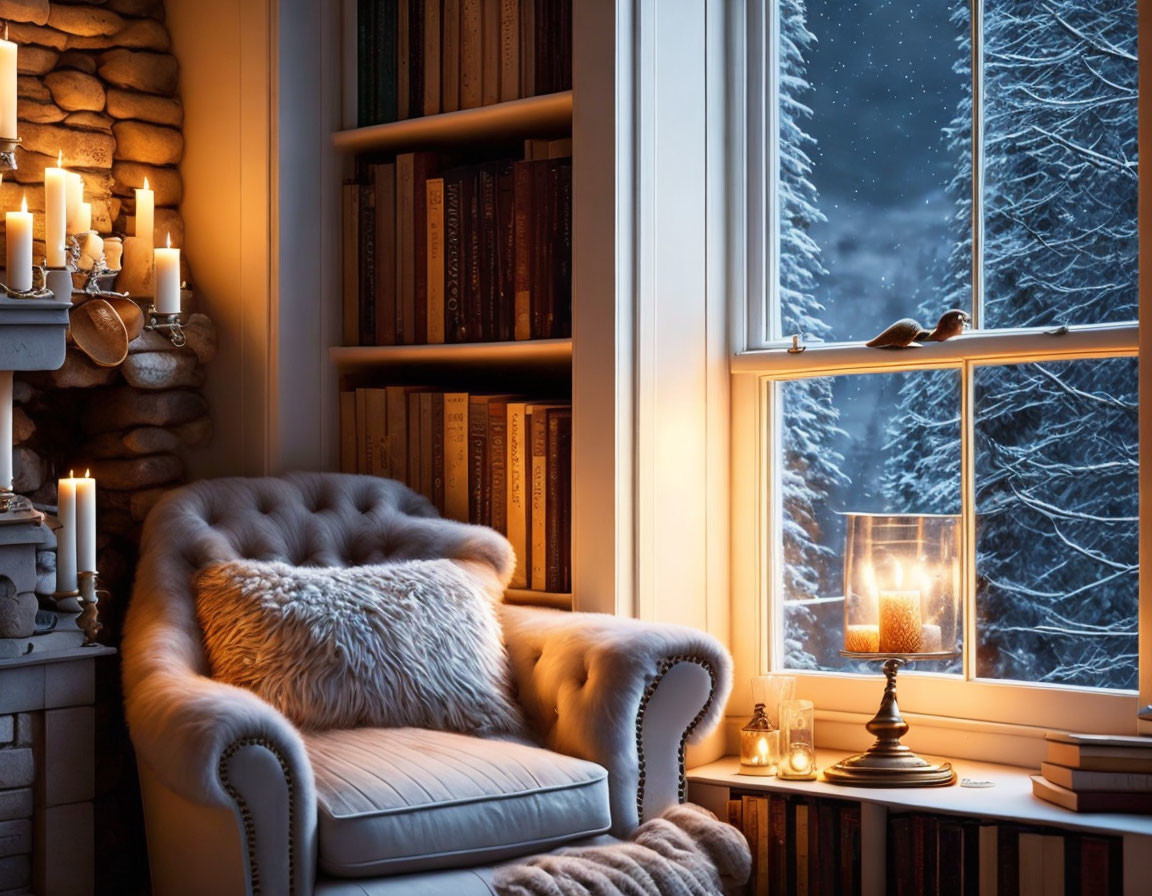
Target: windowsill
[{"x": 1010, "y": 799}]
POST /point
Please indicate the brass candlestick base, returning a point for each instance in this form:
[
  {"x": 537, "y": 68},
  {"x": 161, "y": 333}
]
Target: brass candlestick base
[
  {"x": 888, "y": 763},
  {"x": 89, "y": 619},
  {"x": 169, "y": 323}
]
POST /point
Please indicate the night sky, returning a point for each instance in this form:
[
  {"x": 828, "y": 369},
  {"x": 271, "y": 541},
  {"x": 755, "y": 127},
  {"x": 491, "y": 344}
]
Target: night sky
[{"x": 883, "y": 90}]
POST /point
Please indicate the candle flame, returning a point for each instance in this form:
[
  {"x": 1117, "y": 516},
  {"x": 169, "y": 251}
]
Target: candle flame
[
  {"x": 71, "y": 474},
  {"x": 24, "y": 204},
  {"x": 169, "y": 240},
  {"x": 87, "y": 474},
  {"x": 145, "y": 183},
  {"x": 60, "y": 158},
  {"x": 5, "y": 31}
]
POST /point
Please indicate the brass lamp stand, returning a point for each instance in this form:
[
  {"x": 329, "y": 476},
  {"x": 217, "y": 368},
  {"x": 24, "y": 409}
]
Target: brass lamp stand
[{"x": 888, "y": 763}]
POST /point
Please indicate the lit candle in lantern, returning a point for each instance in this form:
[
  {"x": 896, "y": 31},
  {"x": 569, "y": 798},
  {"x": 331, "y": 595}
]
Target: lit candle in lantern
[
  {"x": 800, "y": 760},
  {"x": 55, "y": 213},
  {"x": 18, "y": 234},
  {"x": 86, "y": 523},
  {"x": 6, "y": 430},
  {"x": 7, "y": 87},
  {"x": 862, "y": 638},
  {"x": 145, "y": 212},
  {"x": 66, "y": 538},
  {"x": 74, "y": 200},
  {"x": 167, "y": 262},
  {"x": 900, "y": 628}
]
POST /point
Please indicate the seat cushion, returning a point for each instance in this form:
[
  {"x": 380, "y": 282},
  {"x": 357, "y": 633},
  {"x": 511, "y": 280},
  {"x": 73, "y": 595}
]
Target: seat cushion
[{"x": 396, "y": 800}]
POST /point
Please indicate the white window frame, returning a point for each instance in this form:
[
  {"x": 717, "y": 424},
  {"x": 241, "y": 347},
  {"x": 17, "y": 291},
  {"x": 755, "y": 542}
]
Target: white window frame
[{"x": 761, "y": 360}]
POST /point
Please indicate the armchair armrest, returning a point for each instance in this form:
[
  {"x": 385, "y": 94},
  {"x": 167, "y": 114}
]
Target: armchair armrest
[
  {"x": 625, "y": 694},
  {"x": 212, "y": 756}
]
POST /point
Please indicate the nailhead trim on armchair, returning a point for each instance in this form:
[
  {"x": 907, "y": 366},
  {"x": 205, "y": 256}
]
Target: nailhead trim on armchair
[
  {"x": 246, "y": 813},
  {"x": 662, "y": 670}
]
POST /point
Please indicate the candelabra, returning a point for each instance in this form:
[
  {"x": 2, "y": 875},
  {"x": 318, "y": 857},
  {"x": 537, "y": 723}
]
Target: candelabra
[
  {"x": 171, "y": 324},
  {"x": 8, "y": 152}
]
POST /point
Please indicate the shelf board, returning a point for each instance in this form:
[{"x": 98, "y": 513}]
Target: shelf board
[
  {"x": 532, "y": 116},
  {"x": 523, "y": 597},
  {"x": 1009, "y": 799},
  {"x": 529, "y": 352}
]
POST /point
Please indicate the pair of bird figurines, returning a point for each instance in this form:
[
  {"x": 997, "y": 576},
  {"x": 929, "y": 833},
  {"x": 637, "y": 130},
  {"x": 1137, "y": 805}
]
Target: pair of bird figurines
[{"x": 908, "y": 333}]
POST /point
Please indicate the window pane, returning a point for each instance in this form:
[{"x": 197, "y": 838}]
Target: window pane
[
  {"x": 874, "y": 196},
  {"x": 1057, "y": 529},
  {"x": 854, "y": 445},
  {"x": 1060, "y": 162}
]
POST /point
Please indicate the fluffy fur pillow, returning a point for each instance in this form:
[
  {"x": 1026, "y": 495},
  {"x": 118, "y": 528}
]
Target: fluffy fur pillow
[{"x": 404, "y": 644}]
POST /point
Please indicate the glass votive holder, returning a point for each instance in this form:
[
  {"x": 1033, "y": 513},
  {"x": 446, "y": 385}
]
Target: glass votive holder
[
  {"x": 759, "y": 745},
  {"x": 772, "y": 690},
  {"x": 797, "y": 741}
]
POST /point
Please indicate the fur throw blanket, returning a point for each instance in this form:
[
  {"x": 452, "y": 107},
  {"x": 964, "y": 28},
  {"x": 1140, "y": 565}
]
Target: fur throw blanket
[{"x": 687, "y": 851}]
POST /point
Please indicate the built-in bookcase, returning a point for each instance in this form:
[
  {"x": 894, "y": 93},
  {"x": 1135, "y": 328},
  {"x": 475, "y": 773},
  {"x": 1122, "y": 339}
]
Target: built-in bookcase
[{"x": 417, "y": 352}]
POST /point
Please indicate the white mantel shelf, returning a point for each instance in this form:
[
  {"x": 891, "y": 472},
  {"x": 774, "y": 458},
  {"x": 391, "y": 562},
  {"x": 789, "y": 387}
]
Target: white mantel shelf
[{"x": 1010, "y": 799}]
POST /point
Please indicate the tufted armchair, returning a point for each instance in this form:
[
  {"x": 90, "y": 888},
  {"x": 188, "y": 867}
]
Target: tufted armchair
[{"x": 237, "y": 800}]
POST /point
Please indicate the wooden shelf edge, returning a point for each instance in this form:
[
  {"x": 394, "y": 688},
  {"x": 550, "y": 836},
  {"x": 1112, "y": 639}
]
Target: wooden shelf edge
[
  {"x": 524, "y": 597},
  {"x": 531, "y": 116},
  {"x": 557, "y": 351}
]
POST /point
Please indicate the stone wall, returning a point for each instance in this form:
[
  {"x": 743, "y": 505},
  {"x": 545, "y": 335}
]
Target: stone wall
[{"x": 99, "y": 84}]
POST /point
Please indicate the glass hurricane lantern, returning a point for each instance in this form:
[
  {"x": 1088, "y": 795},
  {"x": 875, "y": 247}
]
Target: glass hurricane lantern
[{"x": 901, "y": 604}]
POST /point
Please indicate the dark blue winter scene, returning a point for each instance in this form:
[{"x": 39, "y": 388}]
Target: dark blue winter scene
[{"x": 876, "y": 174}]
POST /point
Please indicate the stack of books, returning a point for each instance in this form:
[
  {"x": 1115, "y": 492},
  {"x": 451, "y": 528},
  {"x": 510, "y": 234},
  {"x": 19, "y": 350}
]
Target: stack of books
[
  {"x": 440, "y": 253},
  {"x": 422, "y": 57},
  {"x": 495, "y": 460},
  {"x": 1096, "y": 773}
]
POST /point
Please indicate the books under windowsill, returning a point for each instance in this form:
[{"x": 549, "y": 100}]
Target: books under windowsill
[{"x": 1096, "y": 773}]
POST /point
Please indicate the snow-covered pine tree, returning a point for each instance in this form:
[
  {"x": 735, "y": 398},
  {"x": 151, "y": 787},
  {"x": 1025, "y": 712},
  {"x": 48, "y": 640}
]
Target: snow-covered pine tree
[
  {"x": 1056, "y": 444},
  {"x": 810, "y": 419}
]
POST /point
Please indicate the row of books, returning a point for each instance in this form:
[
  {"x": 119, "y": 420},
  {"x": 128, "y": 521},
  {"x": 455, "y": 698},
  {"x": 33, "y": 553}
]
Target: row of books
[
  {"x": 422, "y": 57},
  {"x": 474, "y": 253},
  {"x": 799, "y": 844},
  {"x": 495, "y": 460},
  {"x": 959, "y": 856},
  {"x": 1096, "y": 773}
]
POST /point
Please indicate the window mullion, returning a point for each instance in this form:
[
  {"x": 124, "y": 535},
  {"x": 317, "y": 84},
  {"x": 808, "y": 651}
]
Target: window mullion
[
  {"x": 977, "y": 22},
  {"x": 968, "y": 514}
]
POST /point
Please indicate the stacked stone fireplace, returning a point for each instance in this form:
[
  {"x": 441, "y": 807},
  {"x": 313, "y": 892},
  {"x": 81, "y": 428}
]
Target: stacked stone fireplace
[{"x": 98, "y": 84}]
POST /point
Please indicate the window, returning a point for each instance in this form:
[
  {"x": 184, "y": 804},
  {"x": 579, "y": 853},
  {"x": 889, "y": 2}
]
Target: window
[{"x": 907, "y": 159}]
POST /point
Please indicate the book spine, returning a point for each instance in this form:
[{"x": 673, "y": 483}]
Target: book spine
[
  {"x": 490, "y": 67},
  {"x": 553, "y": 574},
  {"x": 489, "y": 250},
  {"x": 477, "y": 457},
  {"x": 539, "y": 510},
  {"x": 456, "y": 456},
  {"x": 450, "y": 72},
  {"x": 435, "y": 252},
  {"x": 474, "y": 296},
  {"x": 427, "y": 473},
  {"x": 348, "y": 431},
  {"x": 471, "y": 53},
  {"x": 437, "y": 439},
  {"x": 416, "y": 62},
  {"x": 384, "y": 101},
  {"x": 454, "y": 325},
  {"x": 518, "y": 485},
  {"x": 850, "y": 848},
  {"x": 375, "y": 416},
  {"x": 778, "y": 845},
  {"x": 384, "y": 179},
  {"x": 506, "y": 250},
  {"x": 432, "y": 57},
  {"x": 365, "y": 61},
  {"x": 368, "y": 272},
  {"x": 509, "y": 50},
  {"x": 565, "y": 509},
  {"x": 403, "y": 60},
  {"x": 523, "y": 254},
  {"x": 405, "y": 249},
  {"x": 544, "y": 48},
  {"x": 351, "y": 305},
  {"x": 749, "y": 827},
  {"x": 562, "y": 257},
  {"x": 900, "y": 861},
  {"x": 800, "y": 851},
  {"x": 1008, "y": 856},
  {"x": 950, "y": 859},
  {"x": 363, "y": 443},
  {"x": 397, "y": 429},
  {"x": 541, "y": 271},
  {"x": 424, "y": 166},
  {"x": 414, "y": 448},
  {"x": 527, "y": 47},
  {"x": 497, "y": 465}
]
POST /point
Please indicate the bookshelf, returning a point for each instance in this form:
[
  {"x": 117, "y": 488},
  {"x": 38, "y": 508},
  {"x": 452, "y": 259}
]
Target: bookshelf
[
  {"x": 1008, "y": 801},
  {"x": 543, "y": 368}
]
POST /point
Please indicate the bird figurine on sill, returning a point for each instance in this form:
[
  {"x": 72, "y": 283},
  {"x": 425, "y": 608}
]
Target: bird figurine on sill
[{"x": 907, "y": 333}]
